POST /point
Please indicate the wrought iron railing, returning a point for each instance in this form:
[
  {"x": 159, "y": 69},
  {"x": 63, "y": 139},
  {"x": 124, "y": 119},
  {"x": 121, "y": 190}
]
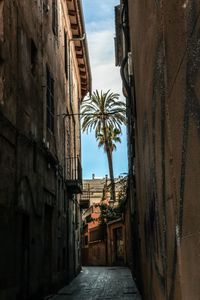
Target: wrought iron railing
[
  {"x": 73, "y": 169},
  {"x": 85, "y": 195},
  {"x": 85, "y": 199}
]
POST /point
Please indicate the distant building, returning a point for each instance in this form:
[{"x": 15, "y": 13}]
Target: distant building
[
  {"x": 93, "y": 189},
  {"x": 103, "y": 241},
  {"x": 44, "y": 75},
  {"x": 97, "y": 189}
]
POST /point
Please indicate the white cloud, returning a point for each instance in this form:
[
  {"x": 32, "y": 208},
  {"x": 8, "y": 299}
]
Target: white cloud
[
  {"x": 102, "y": 55},
  {"x": 107, "y": 77},
  {"x": 99, "y": 26},
  {"x": 98, "y": 11},
  {"x": 101, "y": 45}
]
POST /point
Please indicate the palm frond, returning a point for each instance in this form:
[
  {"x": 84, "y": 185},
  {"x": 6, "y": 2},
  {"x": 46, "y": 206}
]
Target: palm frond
[{"x": 104, "y": 111}]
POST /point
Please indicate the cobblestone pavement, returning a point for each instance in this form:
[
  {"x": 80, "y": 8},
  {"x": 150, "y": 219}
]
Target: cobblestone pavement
[{"x": 95, "y": 283}]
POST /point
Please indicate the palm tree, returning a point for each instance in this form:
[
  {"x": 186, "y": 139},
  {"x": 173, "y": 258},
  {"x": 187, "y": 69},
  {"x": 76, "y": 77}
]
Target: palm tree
[
  {"x": 113, "y": 137},
  {"x": 100, "y": 112}
]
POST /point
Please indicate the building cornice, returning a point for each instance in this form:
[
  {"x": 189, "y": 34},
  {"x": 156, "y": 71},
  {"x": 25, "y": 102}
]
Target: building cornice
[{"x": 76, "y": 18}]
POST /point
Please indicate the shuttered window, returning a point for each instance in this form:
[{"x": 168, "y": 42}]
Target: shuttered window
[{"x": 50, "y": 101}]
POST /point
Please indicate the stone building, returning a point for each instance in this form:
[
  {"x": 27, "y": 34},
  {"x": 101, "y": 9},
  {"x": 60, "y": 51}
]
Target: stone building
[
  {"x": 44, "y": 75},
  {"x": 96, "y": 189},
  {"x": 157, "y": 48}
]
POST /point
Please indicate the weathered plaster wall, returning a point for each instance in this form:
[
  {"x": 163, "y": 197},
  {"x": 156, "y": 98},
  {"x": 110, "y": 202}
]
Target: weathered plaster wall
[{"x": 165, "y": 46}]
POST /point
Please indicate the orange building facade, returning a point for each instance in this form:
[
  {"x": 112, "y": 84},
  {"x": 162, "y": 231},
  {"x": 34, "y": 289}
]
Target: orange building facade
[{"x": 103, "y": 241}]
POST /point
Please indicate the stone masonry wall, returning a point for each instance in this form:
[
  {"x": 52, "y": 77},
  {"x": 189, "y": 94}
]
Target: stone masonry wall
[{"x": 35, "y": 228}]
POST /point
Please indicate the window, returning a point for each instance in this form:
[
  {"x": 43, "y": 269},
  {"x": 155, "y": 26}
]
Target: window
[
  {"x": 97, "y": 234},
  {"x": 66, "y": 53},
  {"x": 50, "y": 101},
  {"x": 64, "y": 258},
  {"x": 1, "y": 21},
  {"x": 35, "y": 157},
  {"x": 55, "y": 17},
  {"x": 64, "y": 204},
  {"x": 33, "y": 57},
  {"x": 86, "y": 240},
  {"x": 76, "y": 216},
  {"x": 88, "y": 219}
]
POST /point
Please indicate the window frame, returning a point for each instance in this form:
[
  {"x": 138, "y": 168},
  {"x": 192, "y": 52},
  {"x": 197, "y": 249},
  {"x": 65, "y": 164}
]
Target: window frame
[
  {"x": 66, "y": 54},
  {"x": 50, "y": 101}
]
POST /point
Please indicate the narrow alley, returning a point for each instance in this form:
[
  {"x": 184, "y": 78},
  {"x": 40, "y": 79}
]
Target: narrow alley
[
  {"x": 100, "y": 283},
  {"x": 99, "y": 149}
]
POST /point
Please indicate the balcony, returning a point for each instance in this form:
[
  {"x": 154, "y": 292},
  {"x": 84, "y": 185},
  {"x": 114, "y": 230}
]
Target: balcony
[
  {"x": 85, "y": 199},
  {"x": 74, "y": 175}
]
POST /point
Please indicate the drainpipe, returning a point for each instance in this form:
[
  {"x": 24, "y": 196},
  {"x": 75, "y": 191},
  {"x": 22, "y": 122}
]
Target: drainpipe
[{"x": 82, "y": 38}]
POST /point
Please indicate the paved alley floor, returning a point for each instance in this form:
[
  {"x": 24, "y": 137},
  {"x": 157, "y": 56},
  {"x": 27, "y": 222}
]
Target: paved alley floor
[{"x": 95, "y": 283}]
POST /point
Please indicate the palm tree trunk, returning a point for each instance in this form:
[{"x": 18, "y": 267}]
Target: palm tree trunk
[
  {"x": 110, "y": 165},
  {"x": 110, "y": 162}
]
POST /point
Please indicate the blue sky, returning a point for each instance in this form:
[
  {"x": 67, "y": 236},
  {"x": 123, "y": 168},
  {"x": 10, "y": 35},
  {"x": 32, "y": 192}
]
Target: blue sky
[{"x": 100, "y": 29}]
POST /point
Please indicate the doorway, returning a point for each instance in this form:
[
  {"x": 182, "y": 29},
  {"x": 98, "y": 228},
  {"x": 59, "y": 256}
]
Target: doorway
[
  {"x": 118, "y": 246},
  {"x": 25, "y": 257},
  {"x": 48, "y": 246}
]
